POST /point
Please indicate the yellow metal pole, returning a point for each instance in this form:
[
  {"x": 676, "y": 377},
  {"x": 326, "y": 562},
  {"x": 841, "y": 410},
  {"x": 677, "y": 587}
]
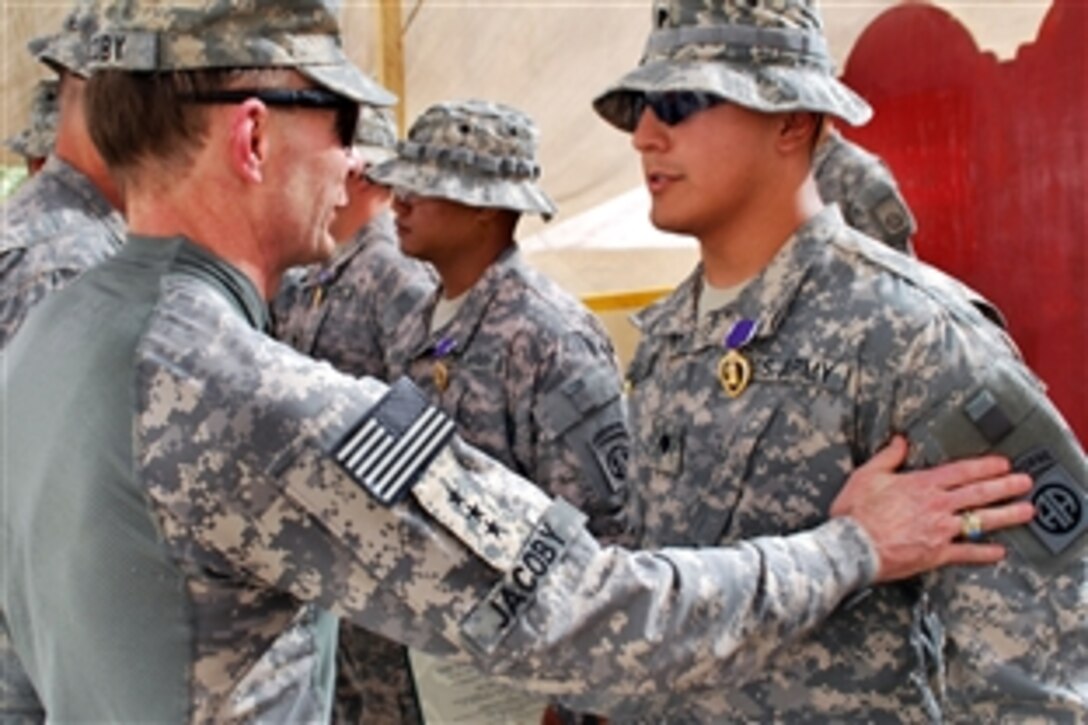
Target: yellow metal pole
[{"x": 392, "y": 60}]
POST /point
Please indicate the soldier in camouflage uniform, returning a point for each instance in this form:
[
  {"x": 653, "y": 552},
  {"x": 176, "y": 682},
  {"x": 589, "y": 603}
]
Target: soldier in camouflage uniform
[
  {"x": 527, "y": 372},
  {"x": 864, "y": 188},
  {"x": 210, "y": 497},
  {"x": 64, "y": 220},
  {"x": 35, "y": 142},
  {"x": 795, "y": 350},
  {"x": 345, "y": 312}
]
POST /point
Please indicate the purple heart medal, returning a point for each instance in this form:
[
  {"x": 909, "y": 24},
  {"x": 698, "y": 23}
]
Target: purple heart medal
[
  {"x": 324, "y": 280},
  {"x": 441, "y": 371},
  {"x": 734, "y": 370}
]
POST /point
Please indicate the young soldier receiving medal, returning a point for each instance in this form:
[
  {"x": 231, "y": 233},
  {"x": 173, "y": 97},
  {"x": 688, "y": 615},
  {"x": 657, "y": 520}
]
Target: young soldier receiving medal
[{"x": 794, "y": 352}]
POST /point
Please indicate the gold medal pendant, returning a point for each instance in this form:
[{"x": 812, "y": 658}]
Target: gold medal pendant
[
  {"x": 734, "y": 373},
  {"x": 441, "y": 376}
]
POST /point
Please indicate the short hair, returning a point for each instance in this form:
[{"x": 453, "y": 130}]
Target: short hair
[{"x": 139, "y": 120}]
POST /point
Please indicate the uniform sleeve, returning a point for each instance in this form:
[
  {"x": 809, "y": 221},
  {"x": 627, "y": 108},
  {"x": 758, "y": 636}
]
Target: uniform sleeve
[
  {"x": 442, "y": 549},
  {"x": 876, "y": 207},
  {"x": 1003, "y": 642},
  {"x": 580, "y": 437}
]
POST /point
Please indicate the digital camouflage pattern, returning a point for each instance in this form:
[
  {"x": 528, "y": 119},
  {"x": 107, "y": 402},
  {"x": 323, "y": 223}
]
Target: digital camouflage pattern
[
  {"x": 347, "y": 311},
  {"x": 477, "y": 153},
  {"x": 56, "y": 226},
  {"x": 766, "y": 55},
  {"x": 37, "y": 139},
  {"x": 205, "y": 483},
  {"x": 374, "y": 681},
  {"x": 532, "y": 380},
  {"x": 376, "y": 135},
  {"x": 164, "y": 35},
  {"x": 865, "y": 190},
  {"x": 67, "y": 50},
  {"x": 853, "y": 344}
]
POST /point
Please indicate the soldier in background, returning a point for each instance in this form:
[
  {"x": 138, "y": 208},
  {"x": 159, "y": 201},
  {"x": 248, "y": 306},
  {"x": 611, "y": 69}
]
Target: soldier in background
[
  {"x": 212, "y": 499},
  {"x": 801, "y": 345},
  {"x": 527, "y": 372},
  {"x": 65, "y": 219},
  {"x": 35, "y": 142},
  {"x": 346, "y": 311},
  {"x": 864, "y": 188}
]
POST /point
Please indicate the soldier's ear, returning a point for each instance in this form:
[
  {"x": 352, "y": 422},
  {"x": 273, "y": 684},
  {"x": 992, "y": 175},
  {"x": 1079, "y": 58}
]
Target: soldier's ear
[
  {"x": 796, "y": 131},
  {"x": 249, "y": 139}
]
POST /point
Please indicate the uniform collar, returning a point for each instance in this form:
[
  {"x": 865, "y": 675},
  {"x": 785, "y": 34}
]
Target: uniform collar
[
  {"x": 464, "y": 325},
  {"x": 379, "y": 226},
  {"x": 766, "y": 299},
  {"x": 182, "y": 255}
]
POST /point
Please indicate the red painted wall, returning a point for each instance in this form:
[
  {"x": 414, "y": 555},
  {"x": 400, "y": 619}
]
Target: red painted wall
[{"x": 992, "y": 158}]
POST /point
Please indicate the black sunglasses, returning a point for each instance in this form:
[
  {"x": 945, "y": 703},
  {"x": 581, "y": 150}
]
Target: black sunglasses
[
  {"x": 671, "y": 107},
  {"x": 347, "y": 111}
]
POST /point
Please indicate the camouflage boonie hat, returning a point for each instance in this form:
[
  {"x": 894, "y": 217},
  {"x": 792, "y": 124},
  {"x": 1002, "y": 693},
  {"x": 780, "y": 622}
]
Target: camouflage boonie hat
[
  {"x": 376, "y": 135},
  {"x": 67, "y": 50},
  {"x": 173, "y": 35},
  {"x": 474, "y": 152},
  {"x": 766, "y": 55},
  {"x": 36, "y": 141}
]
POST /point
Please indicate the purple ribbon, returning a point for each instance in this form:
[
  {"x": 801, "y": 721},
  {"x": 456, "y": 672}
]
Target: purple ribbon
[
  {"x": 740, "y": 334},
  {"x": 445, "y": 346}
]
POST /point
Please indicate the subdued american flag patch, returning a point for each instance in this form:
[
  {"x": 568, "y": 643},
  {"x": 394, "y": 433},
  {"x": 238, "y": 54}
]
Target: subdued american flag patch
[{"x": 393, "y": 444}]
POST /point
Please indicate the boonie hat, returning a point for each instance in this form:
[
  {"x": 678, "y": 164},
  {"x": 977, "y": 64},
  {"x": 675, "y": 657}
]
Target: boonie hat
[
  {"x": 165, "y": 35},
  {"x": 376, "y": 135},
  {"x": 473, "y": 152},
  {"x": 37, "y": 139},
  {"x": 765, "y": 55}
]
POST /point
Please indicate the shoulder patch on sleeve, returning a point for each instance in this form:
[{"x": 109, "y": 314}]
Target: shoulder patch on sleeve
[
  {"x": 391, "y": 446},
  {"x": 612, "y": 447},
  {"x": 493, "y": 618}
]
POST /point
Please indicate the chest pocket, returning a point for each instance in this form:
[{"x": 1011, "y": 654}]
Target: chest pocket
[
  {"x": 477, "y": 398},
  {"x": 792, "y": 404},
  {"x": 711, "y": 514}
]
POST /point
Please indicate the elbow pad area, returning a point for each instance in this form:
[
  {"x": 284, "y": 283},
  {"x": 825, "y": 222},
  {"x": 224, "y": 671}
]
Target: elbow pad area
[{"x": 1008, "y": 413}]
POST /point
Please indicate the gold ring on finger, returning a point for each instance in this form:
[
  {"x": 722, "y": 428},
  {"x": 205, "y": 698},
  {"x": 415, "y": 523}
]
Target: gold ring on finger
[{"x": 971, "y": 525}]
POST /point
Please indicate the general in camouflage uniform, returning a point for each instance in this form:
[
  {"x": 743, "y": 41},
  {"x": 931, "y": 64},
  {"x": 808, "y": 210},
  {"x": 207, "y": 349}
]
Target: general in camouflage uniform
[
  {"x": 59, "y": 223},
  {"x": 35, "y": 142},
  {"x": 751, "y": 405},
  {"x": 526, "y": 371},
  {"x": 209, "y": 496},
  {"x": 345, "y": 312},
  {"x": 865, "y": 190}
]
